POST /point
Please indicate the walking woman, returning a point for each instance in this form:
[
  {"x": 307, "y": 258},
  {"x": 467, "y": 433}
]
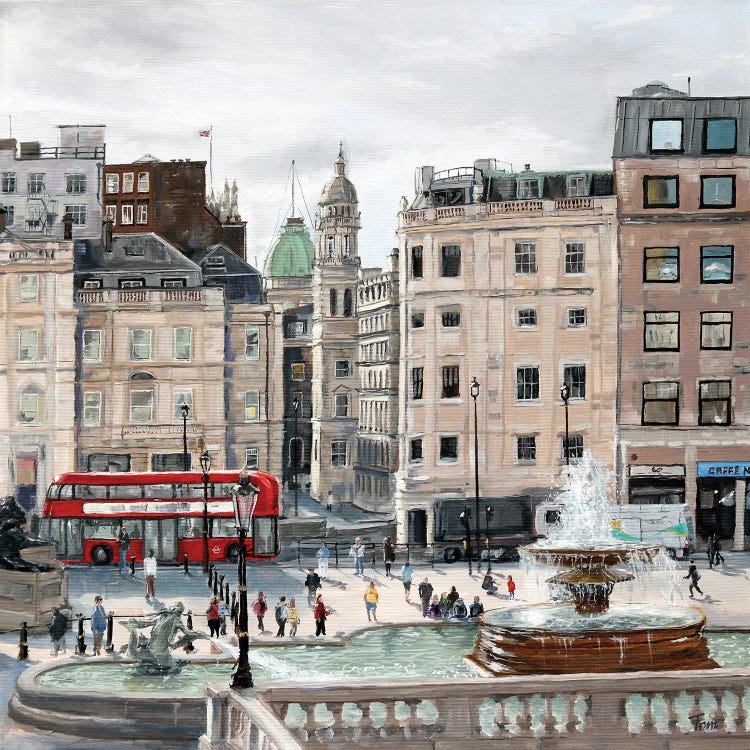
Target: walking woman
[
  {"x": 259, "y": 608},
  {"x": 389, "y": 556},
  {"x": 98, "y": 624},
  {"x": 212, "y": 615},
  {"x": 321, "y": 614}
]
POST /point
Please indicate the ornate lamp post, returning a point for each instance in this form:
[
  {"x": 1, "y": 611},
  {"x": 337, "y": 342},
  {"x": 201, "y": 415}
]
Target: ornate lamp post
[
  {"x": 244, "y": 498},
  {"x": 295, "y": 453},
  {"x": 474, "y": 390},
  {"x": 565, "y": 395},
  {"x": 205, "y": 467},
  {"x": 488, "y": 513},
  {"x": 185, "y": 411},
  {"x": 465, "y": 520}
]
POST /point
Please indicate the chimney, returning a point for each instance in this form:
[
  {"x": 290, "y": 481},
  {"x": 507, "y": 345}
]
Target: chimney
[
  {"x": 393, "y": 257},
  {"x": 423, "y": 179},
  {"x": 527, "y": 167},
  {"x": 107, "y": 235},
  {"x": 3, "y": 212}
]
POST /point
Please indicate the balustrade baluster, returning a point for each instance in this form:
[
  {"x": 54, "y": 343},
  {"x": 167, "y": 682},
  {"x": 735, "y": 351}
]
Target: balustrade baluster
[
  {"x": 696, "y": 709},
  {"x": 500, "y": 717},
  {"x": 647, "y": 717},
  {"x": 739, "y": 713},
  {"x": 338, "y": 728},
  {"x": 673, "y": 720},
  {"x": 718, "y": 715},
  {"x": 549, "y": 722},
  {"x": 365, "y": 723},
  {"x": 390, "y": 724},
  {"x": 571, "y": 719},
  {"x": 524, "y": 718},
  {"x": 413, "y": 724},
  {"x": 307, "y": 731}
]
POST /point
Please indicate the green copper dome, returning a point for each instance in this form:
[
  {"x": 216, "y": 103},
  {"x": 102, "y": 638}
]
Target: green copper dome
[{"x": 293, "y": 253}]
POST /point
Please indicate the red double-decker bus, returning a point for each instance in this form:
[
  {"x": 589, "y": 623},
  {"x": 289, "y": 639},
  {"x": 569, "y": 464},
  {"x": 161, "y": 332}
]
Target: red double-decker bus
[{"x": 162, "y": 511}]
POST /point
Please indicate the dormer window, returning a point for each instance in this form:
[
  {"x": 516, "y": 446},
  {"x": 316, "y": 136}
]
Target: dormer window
[
  {"x": 666, "y": 136},
  {"x": 528, "y": 189}
]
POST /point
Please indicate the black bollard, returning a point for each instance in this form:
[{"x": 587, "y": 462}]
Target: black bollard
[
  {"x": 81, "y": 640},
  {"x": 23, "y": 643},
  {"x": 408, "y": 553},
  {"x": 189, "y": 648},
  {"x": 373, "y": 557},
  {"x": 221, "y": 588},
  {"x": 216, "y": 585},
  {"x": 226, "y": 592},
  {"x": 336, "y": 552},
  {"x": 234, "y": 611},
  {"x": 210, "y": 576},
  {"x": 185, "y": 569},
  {"x": 132, "y": 565},
  {"x": 299, "y": 553},
  {"x": 110, "y": 629}
]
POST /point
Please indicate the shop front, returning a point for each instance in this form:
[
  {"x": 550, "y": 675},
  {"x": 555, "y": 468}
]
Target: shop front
[{"x": 719, "y": 486}]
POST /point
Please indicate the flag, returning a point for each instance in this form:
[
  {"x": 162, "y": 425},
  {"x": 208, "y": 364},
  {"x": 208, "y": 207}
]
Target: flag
[{"x": 205, "y": 134}]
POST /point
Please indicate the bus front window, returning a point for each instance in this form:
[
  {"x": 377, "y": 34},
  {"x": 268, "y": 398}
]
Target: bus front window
[{"x": 264, "y": 536}]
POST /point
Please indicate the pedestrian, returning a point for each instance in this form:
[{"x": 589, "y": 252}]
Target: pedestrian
[
  {"x": 710, "y": 551},
  {"x": 425, "y": 593},
  {"x": 488, "y": 584},
  {"x": 694, "y": 577},
  {"x": 212, "y": 615},
  {"x": 511, "y": 588},
  {"x": 259, "y": 608},
  {"x": 323, "y": 555},
  {"x": 98, "y": 624},
  {"x": 717, "y": 551},
  {"x": 149, "y": 571},
  {"x": 476, "y": 609},
  {"x": 371, "y": 601},
  {"x": 280, "y": 613},
  {"x": 57, "y": 629},
  {"x": 445, "y": 604},
  {"x": 453, "y": 597},
  {"x": 407, "y": 573},
  {"x": 389, "y": 556},
  {"x": 123, "y": 545},
  {"x": 292, "y": 617},
  {"x": 222, "y": 618},
  {"x": 321, "y": 614},
  {"x": 459, "y": 609},
  {"x": 312, "y": 584},
  {"x": 686, "y": 548},
  {"x": 357, "y": 551},
  {"x": 435, "y": 609},
  {"x": 329, "y": 504}
]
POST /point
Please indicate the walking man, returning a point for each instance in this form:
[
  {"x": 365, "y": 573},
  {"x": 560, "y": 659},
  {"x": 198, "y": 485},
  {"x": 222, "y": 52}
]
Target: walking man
[
  {"x": 694, "y": 577},
  {"x": 407, "y": 573},
  {"x": 357, "y": 551},
  {"x": 98, "y": 624},
  {"x": 323, "y": 555},
  {"x": 123, "y": 545},
  {"x": 425, "y": 594},
  {"x": 329, "y": 504},
  {"x": 149, "y": 571},
  {"x": 718, "y": 557},
  {"x": 280, "y": 613},
  {"x": 312, "y": 584}
]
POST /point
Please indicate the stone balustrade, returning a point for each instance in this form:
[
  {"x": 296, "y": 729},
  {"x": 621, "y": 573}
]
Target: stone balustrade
[
  {"x": 647, "y": 710},
  {"x": 137, "y": 296}
]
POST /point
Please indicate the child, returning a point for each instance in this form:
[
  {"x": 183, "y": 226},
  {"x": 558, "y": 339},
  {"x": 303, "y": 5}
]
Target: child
[
  {"x": 511, "y": 588},
  {"x": 292, "y": 617},
  {"x": 259, "y": 608}
]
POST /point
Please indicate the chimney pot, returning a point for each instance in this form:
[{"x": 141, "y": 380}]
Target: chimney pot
[{"x": 527, "y": 167}]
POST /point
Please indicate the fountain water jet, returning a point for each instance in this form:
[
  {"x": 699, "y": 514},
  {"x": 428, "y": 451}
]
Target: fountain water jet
[{"x": 590, "y": 635}]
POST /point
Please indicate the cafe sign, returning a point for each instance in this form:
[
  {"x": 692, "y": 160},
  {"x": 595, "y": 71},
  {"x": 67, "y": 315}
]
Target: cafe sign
[{"x": 737, "y": 469}]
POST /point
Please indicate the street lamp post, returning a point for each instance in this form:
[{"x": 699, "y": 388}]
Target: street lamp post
[
  {"x": 244, "y": 497},
  {"x": 295, "y": 406},
  {"x": 474, "y": 390},
  {"x": 488, "y": 512},
  {"x": 184, "y": 410},
  {"x": 205, "y": 467},
  {"x": 465, "y": 516},
  {"x": 565, "y": 395}
]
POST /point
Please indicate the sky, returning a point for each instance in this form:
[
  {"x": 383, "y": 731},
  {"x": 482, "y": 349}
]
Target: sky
[{"x": 401, "y": 84}]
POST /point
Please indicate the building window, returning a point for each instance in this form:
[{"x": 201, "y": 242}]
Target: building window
[
  {"x": 329, "y": 246},
  {"x": 182, "y": 398},
  {"x": 417, "y": 320},
  {"x": 528, "y": 189},
  {"x": 92, "y": 409},
  {"x": 715, "y": 402},
  {"x": 661, "y": 192},
  {"x": 666, "y": 136},
  {"x": 341, "y": 405},
  {"x": 112, "y": 183},
  {"x": 575, "y": 257},
  {"x": 716, "y": 330},
  {"x": 251, "y": 458},
  {"x": 34, "y": 221},
  {"x": 574, "y": 376},
  {"x": 451, "y": 319},
  {"x": 182, "y": 342},
  {"x": 415, "y": 451},
  {"x": 28, "y": 287},
  {"x": 417, "y": 268},
  {"x": 572, "y": 448},
  {"x": 252, "y": 406},
  {"x": 127, "y": 182},
  {"x": 298, "y": 371},
  {"x": 342, "y": 368},
  {"x": 140, "y": 344},
  {"x": 526, "y": 447},
  {"x": 8, "y": 182},
  {"x": 525, "y": 253},
  {"x": 577, "y": 317},
  {"x": 92, "y": 284},
  {"x": 717, "y": 264},
  {"x": 142, "y": 407},
  {"x": 29, "y": 408},
  {"x": 576, "y": 186},
  {"x": 451, "y": 261},
  {"x": 75, "y": 183},
  {"x": 661, "y": 264},
  {"x": 143, "y": 182},
  {"x": 173, "y": 283},
  {"x": 338, "y": 453},
  {"x": 348, "y": 303},
  {"x": 347, "y": 246},
  {"x": 110, "y": 212},
  {"x": 131, "y": 283},
  {"x": 449, "y": 448},
  {"x": 720, "y": 135},
  {"x": 127, "y": 213},
  {"x": 252, "y": 342},
  {"x": 717, "y": 191},
  {"x": 451, "y": 384},
  {"x": 333, "y": 305},
  {"x": 28, "y": 345},
  {"x": 92, "y": 345},
  {"x": 417, "y": 383},
  {"x": 10, "y": 215},
  {"x": 660, "y": 403},
  {"x": 527, "y": 383},
  {"x": 78, "y": 213},
  {"x": 661, "y": 331},
  {"x": 526, "y": 318},
  {"x": 142, "y": 213},
  {"x": 35, "y": 183}
]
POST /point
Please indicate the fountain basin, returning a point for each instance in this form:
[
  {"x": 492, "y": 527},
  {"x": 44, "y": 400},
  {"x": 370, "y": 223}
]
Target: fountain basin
[{"x": 555, "y": 639}]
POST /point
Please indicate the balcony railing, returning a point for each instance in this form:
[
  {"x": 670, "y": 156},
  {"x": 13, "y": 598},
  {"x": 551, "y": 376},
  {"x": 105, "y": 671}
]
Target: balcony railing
[
  {"x": 90, "y": 298},
  {"x": 574, "y": 204},
  {"x": 450, "y": 212},
  {"x": 63, "y": 152},
  {"x": 138, "y": 296},
  {"x": 514, "y": 207},
  {"x": 182, "y": 295},
  {"x": 160, "y": 429}
]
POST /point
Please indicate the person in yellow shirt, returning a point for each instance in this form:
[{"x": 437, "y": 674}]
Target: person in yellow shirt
[{"x": 371, "y": 601}]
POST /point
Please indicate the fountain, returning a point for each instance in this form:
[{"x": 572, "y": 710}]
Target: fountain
[{"x": 586, "y": 633}]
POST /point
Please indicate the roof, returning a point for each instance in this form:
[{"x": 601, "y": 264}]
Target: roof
[
  {"x": 142, "y": 252},
  {"x": 339, "y": 188},
  {"x": 293, "y": 252}
]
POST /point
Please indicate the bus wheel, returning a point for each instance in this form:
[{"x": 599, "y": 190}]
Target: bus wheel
[
  {"x": 452, "y": 554},
  {"x": 233, "y": 552},
  {"x": 101, "y": 555}
]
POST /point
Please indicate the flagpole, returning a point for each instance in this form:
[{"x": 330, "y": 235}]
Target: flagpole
[{"x": 211, "y": 156}]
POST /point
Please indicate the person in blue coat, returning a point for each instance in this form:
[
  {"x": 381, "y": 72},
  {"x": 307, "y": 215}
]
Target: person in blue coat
[{"x": 98, "y": 624}]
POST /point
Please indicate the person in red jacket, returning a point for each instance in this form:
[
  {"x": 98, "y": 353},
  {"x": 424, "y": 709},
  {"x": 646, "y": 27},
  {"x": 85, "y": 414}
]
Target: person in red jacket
[
  {"x": 212, "y": 615},
  {"x": 511, "y": 588},
  {"x": 321, "y": 613},
  {"x": 259, "y": 608}
]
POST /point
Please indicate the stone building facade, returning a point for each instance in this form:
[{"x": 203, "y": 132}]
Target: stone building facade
[
  {"x": 509, "y": 278},
  {"x": 682, "y": 171}
]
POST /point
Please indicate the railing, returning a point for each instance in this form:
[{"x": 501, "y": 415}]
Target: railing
[
  {"x": 514, "y": 207},
  {"x": 140, "y": 295},
  {"x": 90, "y": 298},
  {"x": 64, "y": 152},
  {"x": 182, "y": 295},
  {"x": 414, "y": 217},
  {"x": 450, "y": 212},
  {"x": 160, "y": 429},
  {"x": 573, "y": 204},
  {"x": 447, "y": 174}
]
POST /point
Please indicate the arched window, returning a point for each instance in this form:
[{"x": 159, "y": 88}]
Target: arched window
[
  {"x": 334, "y": 303},
  {"x": 348, "y": 303}
]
